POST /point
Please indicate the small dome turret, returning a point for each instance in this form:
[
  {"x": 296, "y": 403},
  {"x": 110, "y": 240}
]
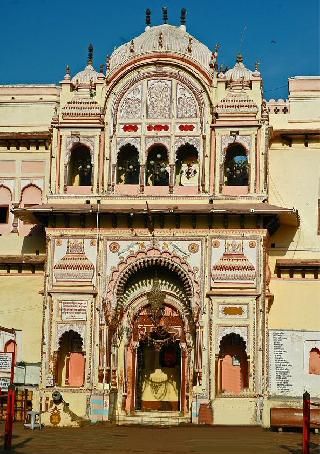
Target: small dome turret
[
  {"x": 89, "y": 75},
  {"x": 238, "y": 72}
]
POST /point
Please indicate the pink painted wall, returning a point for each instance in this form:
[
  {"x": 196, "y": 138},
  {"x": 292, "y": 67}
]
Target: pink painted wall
[
  {"x": 31, "y": 195},
  {"x": 76, "y": 369},
  {"x": 33, "y": 167},
  {"x": 7, "y": 167},
  {"x": 314, "y": 361},
  {"x": 234, "y": 377}
]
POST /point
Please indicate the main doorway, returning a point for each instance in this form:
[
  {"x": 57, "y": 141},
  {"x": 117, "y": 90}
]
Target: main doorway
[{"x": 158, "y": 375}]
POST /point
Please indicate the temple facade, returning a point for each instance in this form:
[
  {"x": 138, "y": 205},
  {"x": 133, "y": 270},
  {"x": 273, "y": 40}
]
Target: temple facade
[{"x": 159, "y": 249}]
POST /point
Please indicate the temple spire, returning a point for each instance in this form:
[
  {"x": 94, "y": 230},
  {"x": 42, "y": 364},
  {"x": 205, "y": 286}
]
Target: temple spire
[
  {"x": 148, "y": 17},
  {"x": 183, "y": 17},
  {"x": 165, "y": 14},
  {"x": 90, "y": 54}
]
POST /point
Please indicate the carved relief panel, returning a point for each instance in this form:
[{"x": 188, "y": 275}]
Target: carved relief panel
[
  {"x": 234, "y": 262},
  {"x": 159, "y": 98},
  {"x": 74, "y": 261}
]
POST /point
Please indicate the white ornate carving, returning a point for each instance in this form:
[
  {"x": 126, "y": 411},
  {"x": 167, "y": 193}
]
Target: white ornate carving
[
  {"x": 186, "y": 103},
  {"x": 132, "y": 103},
  {"x": 71, "y": 140},
  {"x": 225, "y": 330},
  {"x": 226, "y": 140},
  {"x": 195, "y": 141},
  {"x": 159, "y": 99},
  {"x": 135, "y": 141},
  {"x": 35, "y": 181},
  {"x": 79, "y": 328},
  {"x": 158, "y": 140}
]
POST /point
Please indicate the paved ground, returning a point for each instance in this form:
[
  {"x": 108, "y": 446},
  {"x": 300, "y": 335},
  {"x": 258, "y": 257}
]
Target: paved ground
[{"x": 105, "y": 438}]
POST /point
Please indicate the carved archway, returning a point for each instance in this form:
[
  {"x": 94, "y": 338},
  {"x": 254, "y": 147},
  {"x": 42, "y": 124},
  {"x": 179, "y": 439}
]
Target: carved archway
[{"x": 150, "y": 258}]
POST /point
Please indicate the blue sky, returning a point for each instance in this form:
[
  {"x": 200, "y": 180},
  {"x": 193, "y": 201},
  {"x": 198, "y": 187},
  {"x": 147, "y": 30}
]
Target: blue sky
[{"x": 40, "y": 37}]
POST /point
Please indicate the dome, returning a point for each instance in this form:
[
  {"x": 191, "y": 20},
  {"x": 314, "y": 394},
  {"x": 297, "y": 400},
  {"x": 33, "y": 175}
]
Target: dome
[
  {"x": 85, "y": 77},
  {"x": 163, "y": 39},
  {"x": 238, "y": 72}
]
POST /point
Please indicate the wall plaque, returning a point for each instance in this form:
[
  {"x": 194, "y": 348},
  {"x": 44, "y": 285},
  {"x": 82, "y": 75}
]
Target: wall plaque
[
  {"x": 289, "y": 363},
  {"x": 4, "y": 383},
  {"x": 5, "y": 362},
  {"x": 74, "y": 310}
]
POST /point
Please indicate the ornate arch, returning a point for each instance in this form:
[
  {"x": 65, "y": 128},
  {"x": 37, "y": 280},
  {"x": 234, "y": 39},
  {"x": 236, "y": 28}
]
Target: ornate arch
[
  {"x": 177, "y": 75},
  {"x": 29, "y": 185},
  {"x": 144, "y": 259},
  {"x": 6, "y": 187},
  {"x": 64, "y": 328},
  {"x": 73, "y": 141},
  {"x": 241, "y": 331}
]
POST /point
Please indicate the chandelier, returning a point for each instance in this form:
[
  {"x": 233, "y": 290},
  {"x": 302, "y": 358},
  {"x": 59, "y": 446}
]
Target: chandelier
[{"x": 156, "y": 302}]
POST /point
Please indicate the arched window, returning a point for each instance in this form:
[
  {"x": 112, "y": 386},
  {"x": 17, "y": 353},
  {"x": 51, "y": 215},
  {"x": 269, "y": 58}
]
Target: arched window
[
  {"x": 314, "y": 361},
  {"x": 80, "y": 167},
  {"x": 236, "y": 169},
  {"x": 5, "y": 205},
  {"x": 11, "y": 347},
  {"x": 187, "y": 166},
  {"x": 157, "y": 168},
  {"x": 128, "y": 166},
  {"x": 233, "y": 365},
  {"x": 70, "y": 361}
]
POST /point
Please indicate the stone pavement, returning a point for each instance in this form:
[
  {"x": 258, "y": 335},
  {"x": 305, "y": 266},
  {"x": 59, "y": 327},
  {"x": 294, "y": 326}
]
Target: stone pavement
[{"x": 107, "y": 438}]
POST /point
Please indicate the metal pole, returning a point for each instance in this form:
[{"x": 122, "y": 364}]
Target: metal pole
[
  {"x": 9, "y": 418},
  {"x": 306, "y": 423}
]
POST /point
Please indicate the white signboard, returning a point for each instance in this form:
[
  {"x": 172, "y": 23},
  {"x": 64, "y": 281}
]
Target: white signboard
[
  {"x": 4, "y": 383},
  {"x": 74, "y": 310},
  {"x": 5, "y": 361},
  {"x": 289, "y": 363}
]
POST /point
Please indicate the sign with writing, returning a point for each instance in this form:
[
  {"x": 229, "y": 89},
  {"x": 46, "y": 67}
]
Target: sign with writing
[
  {"x": 74, "y": 310},
  {"x": 289, "y": 362},
  {"x": 4, "y": 383},
  {"x": 5, "y": 362}
]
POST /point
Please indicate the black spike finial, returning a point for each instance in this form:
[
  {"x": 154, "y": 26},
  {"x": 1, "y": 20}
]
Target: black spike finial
[
  {"x": 90, "y": 54},
  {"x": 148, "y": 17},
  {"x": 165, "y": 14},
  {"x": 183, "y": 17}
]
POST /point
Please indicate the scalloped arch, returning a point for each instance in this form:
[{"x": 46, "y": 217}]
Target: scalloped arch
[{"x": 153, "y": 257}]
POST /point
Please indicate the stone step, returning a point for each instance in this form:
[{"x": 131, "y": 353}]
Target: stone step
[{"x": 159, "y": 418}]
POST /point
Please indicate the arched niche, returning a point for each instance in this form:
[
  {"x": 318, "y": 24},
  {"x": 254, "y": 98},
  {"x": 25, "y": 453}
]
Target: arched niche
[
  {"x": 236, "y": 166},
  {"x": 314, "y": 361},
  {"x": 157, "y": 166},
  {"x": 232, "y": 365},
  {"x": 30, "y": 195},
  {"x": 187, "y": 165},
  {"x": 11, "y": 347},
  {"x": 70, "y": 360},
  {"x": 5, "y": 205},
  {"x": 128, "y": 165},
  {"x": 79, "y": 166}
]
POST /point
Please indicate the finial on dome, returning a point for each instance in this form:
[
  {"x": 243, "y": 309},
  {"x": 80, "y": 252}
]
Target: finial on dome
[
  {"x": 165, "y": 14},
  {"x": 257, "y": 65},
  {"x": 102, "y": 69},
  {"x": 239, "y": 58},
  {"x": 107, "y": 63},
  {"x": 90, "y": 54},
  {"x": 148, "y": 17},
  {"x": 67, "y": 76},
  {"x": 183, "y": 17}
]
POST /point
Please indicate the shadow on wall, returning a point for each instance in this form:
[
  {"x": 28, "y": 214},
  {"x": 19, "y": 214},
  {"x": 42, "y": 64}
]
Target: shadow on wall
[
  {"x": 314, "y": 448},
  {"x": 35, "y": 241}
]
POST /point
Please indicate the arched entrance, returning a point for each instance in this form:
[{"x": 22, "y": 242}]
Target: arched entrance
[{"x": 154, "y": 362}]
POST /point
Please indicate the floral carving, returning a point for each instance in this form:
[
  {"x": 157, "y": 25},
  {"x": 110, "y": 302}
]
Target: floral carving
[
  {"x": 186, "y": 104},
  {"x": 114, "y": 247},
  {"x": 131, "y": 104},
  {"x": 159, "y": 99},
  {"x": 193, "y": 248}
]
